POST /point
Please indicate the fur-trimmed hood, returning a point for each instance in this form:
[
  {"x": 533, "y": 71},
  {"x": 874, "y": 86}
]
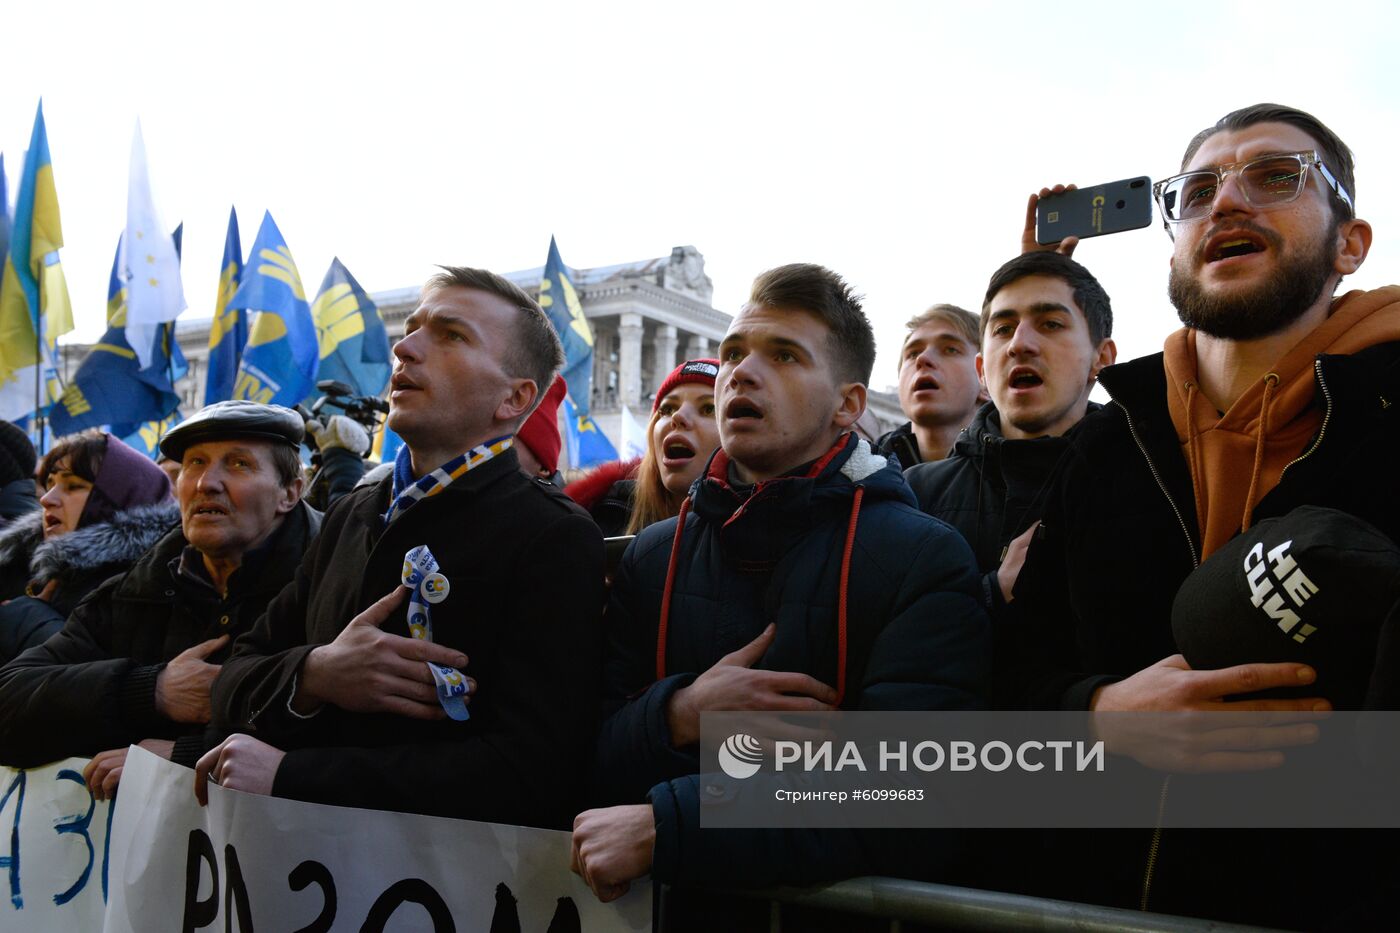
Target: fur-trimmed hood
[
  {"x": 590, "y": 488},
  {"x": 120, "y": 540}
]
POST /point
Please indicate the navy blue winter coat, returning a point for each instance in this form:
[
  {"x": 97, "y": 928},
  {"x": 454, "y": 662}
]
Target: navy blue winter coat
[{"x": 917, "y": 639}]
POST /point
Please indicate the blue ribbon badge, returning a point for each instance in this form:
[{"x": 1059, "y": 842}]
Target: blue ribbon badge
[{"x": 430, "y": 587}]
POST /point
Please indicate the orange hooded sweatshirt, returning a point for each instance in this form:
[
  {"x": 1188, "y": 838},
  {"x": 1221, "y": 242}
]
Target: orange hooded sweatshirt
[{"x": 1238, "y": 457}]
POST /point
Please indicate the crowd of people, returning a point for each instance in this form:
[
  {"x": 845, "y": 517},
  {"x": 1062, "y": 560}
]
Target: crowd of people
[{"x": 451, "y": 638}]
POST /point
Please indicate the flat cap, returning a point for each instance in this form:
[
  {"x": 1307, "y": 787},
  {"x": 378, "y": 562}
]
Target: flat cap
[{"x": 230, "y": 419}]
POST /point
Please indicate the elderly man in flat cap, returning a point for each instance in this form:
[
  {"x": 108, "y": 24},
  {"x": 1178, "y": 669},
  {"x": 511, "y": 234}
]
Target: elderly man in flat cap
[{"x": 135, "y": 660}]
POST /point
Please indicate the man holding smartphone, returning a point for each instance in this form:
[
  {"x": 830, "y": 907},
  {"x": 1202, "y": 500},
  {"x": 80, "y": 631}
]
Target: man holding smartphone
[{"x": 1275, "y": 394}]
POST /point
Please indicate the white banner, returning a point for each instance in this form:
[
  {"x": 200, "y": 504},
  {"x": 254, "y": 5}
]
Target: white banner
[
  {"x": 53, "y": 849},
  {"x": 248, "y": 862}
]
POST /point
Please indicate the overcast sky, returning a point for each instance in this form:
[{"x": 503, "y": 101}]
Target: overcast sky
[{"x": 893, "y": 142}]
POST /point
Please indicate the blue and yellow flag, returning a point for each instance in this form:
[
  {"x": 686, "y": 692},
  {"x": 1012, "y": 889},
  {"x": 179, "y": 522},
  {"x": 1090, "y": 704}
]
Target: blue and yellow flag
[
  {"x": 4, "y": 212},
  {"x": 385, "y": 447},
  {"x": 279, "y": 363},
  {"x": 34, "y": 306},
  {"x": 354, "y": 344},
  {"x": 588, "y": 445},
  {"x": 228, "y": 333},
  {"x": 147, "y": 437},
  {"x": 110, "y": 387},
  {"x": 560, "y": 301}
]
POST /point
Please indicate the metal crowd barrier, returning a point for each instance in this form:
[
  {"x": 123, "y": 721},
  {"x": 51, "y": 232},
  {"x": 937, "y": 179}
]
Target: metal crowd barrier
[{"x": 945, "y": 907}]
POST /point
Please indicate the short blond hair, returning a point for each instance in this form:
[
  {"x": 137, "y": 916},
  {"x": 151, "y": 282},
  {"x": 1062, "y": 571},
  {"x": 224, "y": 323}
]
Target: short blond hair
[{"x": 964, "y": 322}]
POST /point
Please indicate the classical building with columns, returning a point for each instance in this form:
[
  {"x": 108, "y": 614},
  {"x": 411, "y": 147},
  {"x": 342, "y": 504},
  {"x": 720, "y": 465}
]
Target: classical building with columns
[{"x": 646, "y": 316}]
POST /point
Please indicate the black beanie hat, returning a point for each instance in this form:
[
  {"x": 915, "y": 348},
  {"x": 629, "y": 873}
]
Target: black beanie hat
[
  {"x": 17, "y": 458},
  {"x": 1316, "y": 586}
]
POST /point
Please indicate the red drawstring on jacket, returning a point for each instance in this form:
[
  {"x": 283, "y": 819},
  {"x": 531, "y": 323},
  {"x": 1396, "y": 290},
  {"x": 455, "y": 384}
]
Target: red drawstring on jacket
[
  {"x": 666, "y": 593},
  {"x": 842, "y": 593}
]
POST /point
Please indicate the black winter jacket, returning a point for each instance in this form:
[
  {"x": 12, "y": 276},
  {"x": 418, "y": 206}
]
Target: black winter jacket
[
  {"x": 989, "y": 488},
  {"x": 92, "y": 686},
  {"x": 525, "y": 568},
  {"x": 17, "y": 498},
  {"x": 918, "y": 640},
  {"x": 901, "y": 445},
  {"x": 1093, "y": 605},
  {"x": 79, "y": 561}
]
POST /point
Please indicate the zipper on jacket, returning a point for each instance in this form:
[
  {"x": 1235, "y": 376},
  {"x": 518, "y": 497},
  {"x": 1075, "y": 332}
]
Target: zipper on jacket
[
  {"x": 1152, "y": 467},
  {"x": 1156, "y": 845},
  {"x": 1326, "y": 417}
]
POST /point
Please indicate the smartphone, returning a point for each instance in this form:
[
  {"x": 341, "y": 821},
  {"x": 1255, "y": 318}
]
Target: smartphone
[{"x": 1085, "y": 212}]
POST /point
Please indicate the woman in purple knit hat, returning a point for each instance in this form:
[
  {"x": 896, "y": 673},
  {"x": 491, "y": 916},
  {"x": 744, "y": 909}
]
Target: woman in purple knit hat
[{"x": 104, "y": 505}]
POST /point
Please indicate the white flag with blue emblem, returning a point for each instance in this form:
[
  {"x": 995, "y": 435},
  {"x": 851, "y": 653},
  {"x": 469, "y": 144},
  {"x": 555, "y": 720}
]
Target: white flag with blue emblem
[{"x": 150, "y": 265}]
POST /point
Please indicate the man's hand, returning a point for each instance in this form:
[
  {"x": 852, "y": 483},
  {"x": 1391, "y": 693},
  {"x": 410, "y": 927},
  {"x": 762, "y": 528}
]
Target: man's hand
[
  {"x": 1185, "y": 724},
  {"x": 1015, "y": 557},
  {"x": 368, "y": 671},
  {"x": 182, "y": 688},
  {"x": 241, "y": 763},
  {"x": 731, "y": 685},
  {"x": 1064, "y": 247},
  {"x": 612, "y": 847},
  {"x": 104, "y": 772}
]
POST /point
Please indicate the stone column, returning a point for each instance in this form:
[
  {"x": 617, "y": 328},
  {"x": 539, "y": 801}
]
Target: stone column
[
  {"x": 665, "y": 346},
  {"x": 629, "y": 364},
  {"x": 697, "y": 347}
]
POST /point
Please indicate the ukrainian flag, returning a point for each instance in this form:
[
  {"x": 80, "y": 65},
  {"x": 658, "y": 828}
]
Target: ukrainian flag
[
  {"x": 34, "y": 306},
  {"x": 560, "y": 301},
  {"x": 280, "y": 361},
  {"x": 354, "y": 344},
  {"x": 228, "y": 334}
]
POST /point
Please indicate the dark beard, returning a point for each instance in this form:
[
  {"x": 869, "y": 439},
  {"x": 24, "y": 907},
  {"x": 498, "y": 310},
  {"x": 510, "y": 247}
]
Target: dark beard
[{"x": 1267, "y": 309}]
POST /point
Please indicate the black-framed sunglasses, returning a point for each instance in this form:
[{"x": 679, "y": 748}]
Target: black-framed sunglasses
[{"x": 1266, "y": 182}]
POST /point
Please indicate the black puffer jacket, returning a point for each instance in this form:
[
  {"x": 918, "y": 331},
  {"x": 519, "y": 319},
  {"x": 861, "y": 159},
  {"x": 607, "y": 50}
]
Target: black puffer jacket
[
  {"x": 916, "y": 633},
  {"x": 1093, "y": 605},
  {"x": 79, "y": 561},
  {"x": 989, "y": 488},
  {"x": 91, "y": 687}
]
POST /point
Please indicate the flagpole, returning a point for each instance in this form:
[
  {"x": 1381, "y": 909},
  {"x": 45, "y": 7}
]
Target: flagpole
[{"x": 38, "y": 378}]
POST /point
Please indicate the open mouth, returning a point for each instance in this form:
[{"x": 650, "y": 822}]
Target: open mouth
[
  {"x": 926, "y": 382},
  {"x": 676, "y": 450},
  {"x": 210, "y": 510},
  {"x": 1023, "y": 378},
  {"x": 740, "y": 409},
  {"x": 51, "y": 520},
  {"x": 1233, "y": 245}
]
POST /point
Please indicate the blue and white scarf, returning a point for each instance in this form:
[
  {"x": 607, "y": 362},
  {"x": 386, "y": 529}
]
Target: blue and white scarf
[{"x": 407, "y": 491}]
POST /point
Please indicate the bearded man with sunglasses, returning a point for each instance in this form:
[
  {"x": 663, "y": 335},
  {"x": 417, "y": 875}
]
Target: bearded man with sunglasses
[{"x": 1275, "y": 394}]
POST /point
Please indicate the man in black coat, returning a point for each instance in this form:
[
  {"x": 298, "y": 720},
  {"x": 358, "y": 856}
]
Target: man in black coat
[
  {"x": 1274, "y": 395},
  {"x": 742, "y": 607},
  {"x": 1046, "y": 331},
  {"x": 135, "y": 660},
  {"x": 330, "y": 697}
]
